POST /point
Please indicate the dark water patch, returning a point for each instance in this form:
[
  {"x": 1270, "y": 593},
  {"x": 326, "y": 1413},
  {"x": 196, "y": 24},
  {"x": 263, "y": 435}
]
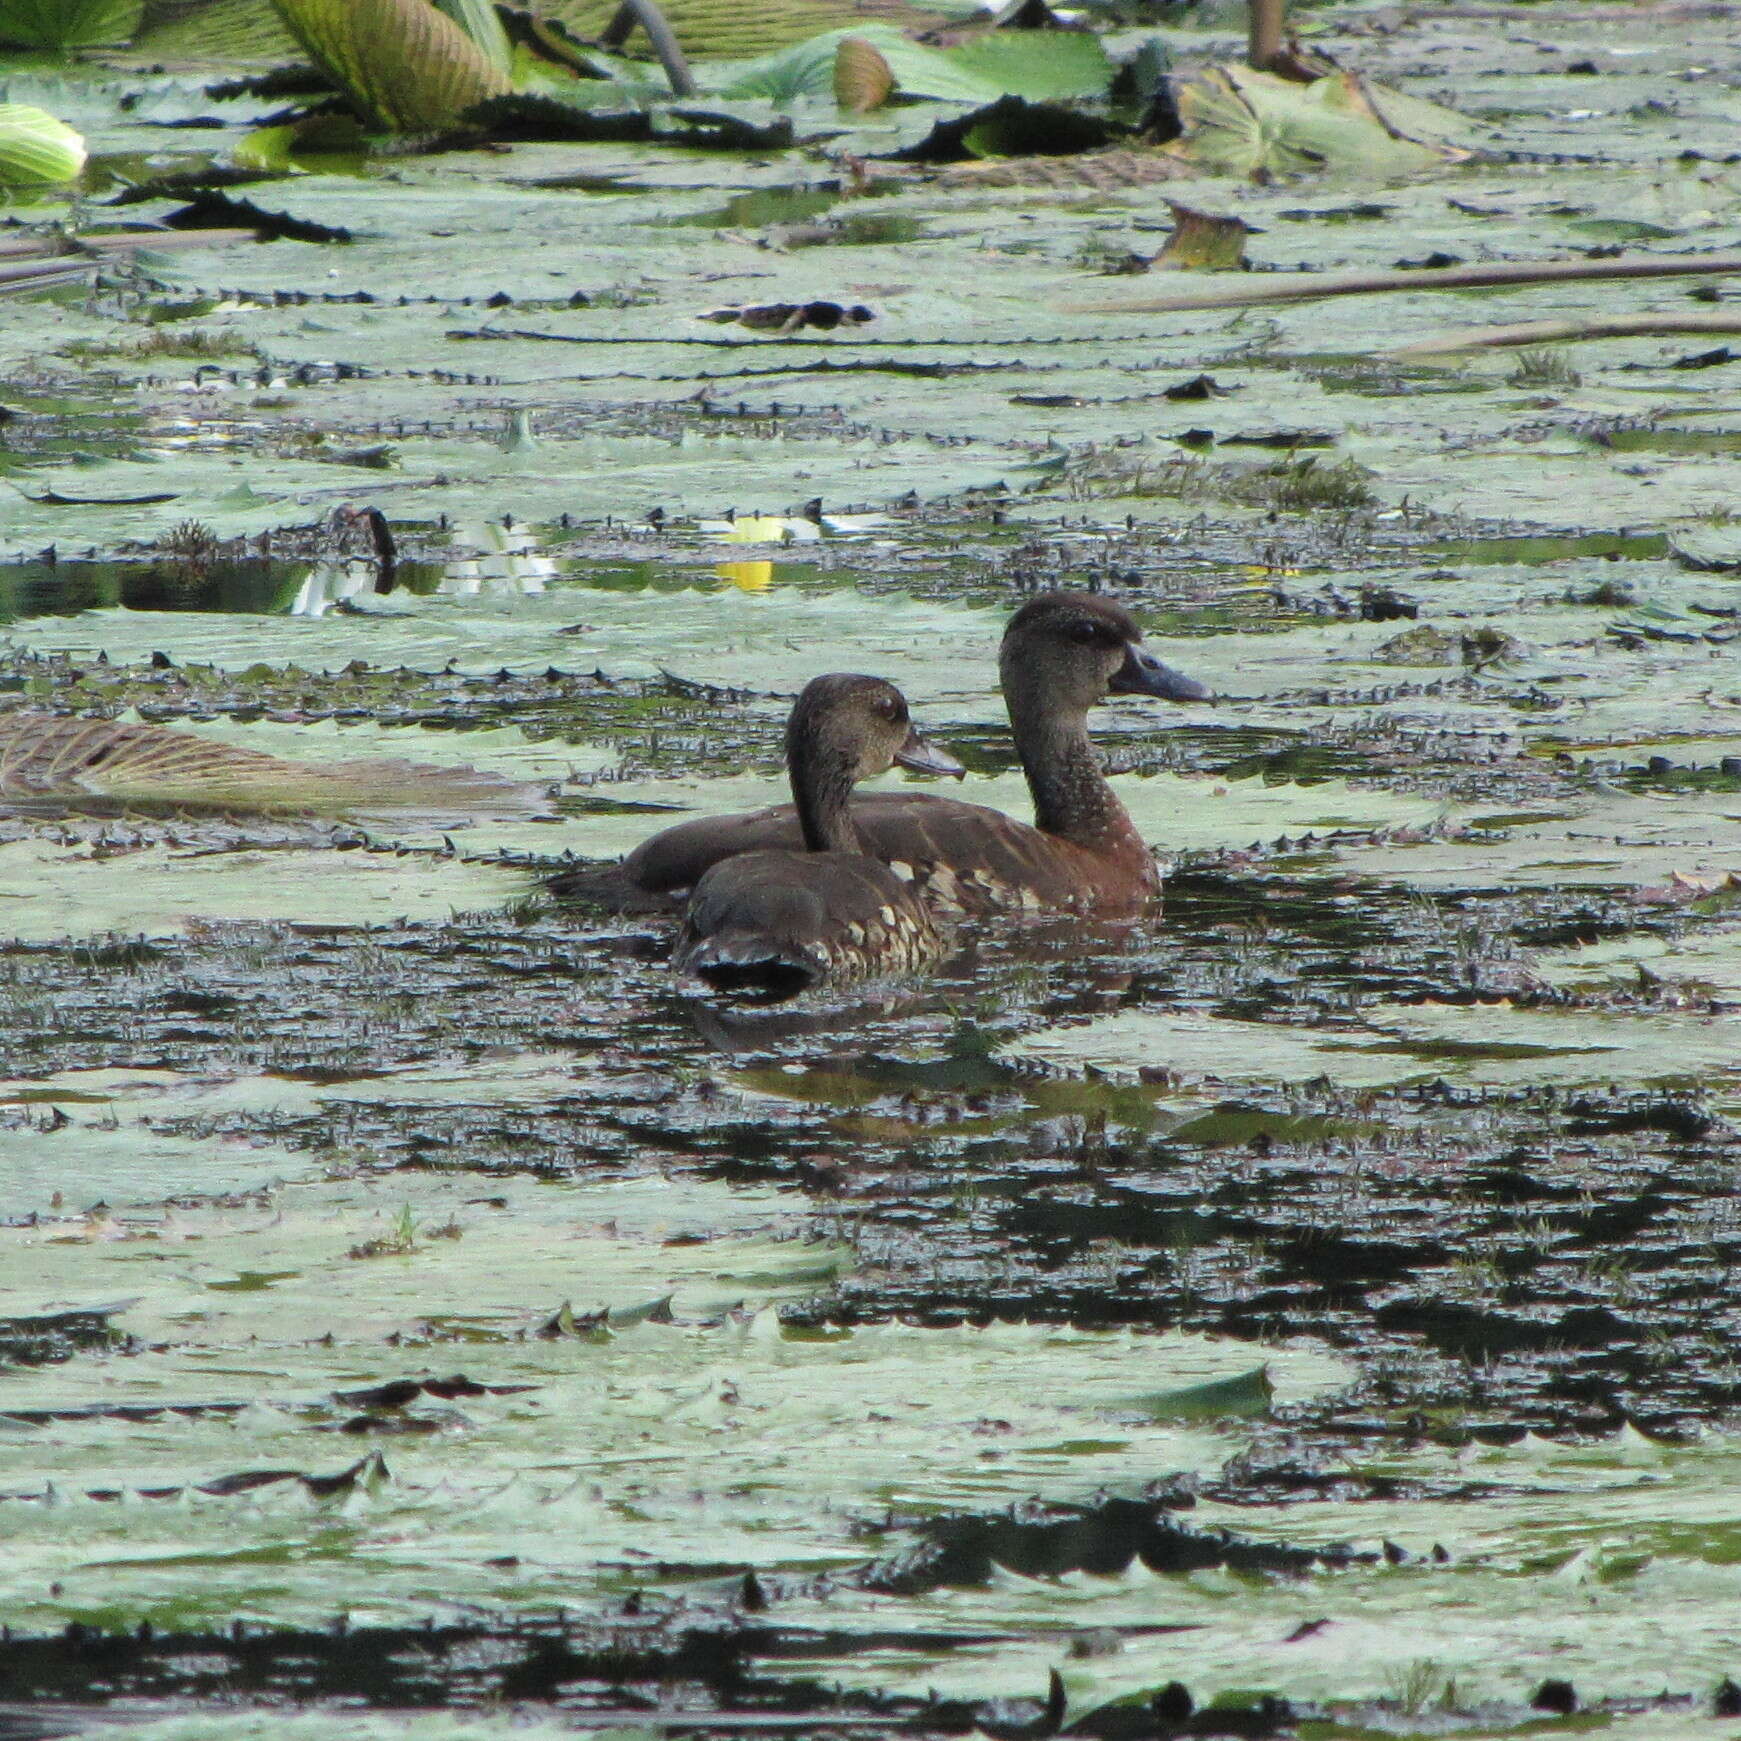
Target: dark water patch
[
  {"x": 1102, "y": 1539},
  {"x": 1659, "y": 440},
  {"x": 1577, "y": 1251},
  {"x": 605, "y": 1670},
  {"x": 108, "y": 172},
  {"x": 50, "y": 1337},
  {"x": 44, "y": 587},
  {"x": 762, "y": 206},
  {"x": 587, "y": 182},
  {"x": 1661, "y": 775},
  {"x": 1375, "y": 378},
  {"x": 42, "y": 427}
]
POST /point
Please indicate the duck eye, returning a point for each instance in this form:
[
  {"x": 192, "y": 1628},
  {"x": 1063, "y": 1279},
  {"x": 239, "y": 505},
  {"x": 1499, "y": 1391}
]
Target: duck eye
[{"x": 1087, "y": 633}]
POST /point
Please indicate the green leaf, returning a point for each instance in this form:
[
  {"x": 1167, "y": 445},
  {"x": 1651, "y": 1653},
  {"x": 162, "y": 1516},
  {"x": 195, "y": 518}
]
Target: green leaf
[
  {"x": 974, "y": 74},
  {"x": 66, "y": 23},
  {"x": 410, "y": 68},
  {"x": 1038, "y": 64},
  {"x": 1250, "y": 1393},
  {"x": 36, "y": 150},
  {"x": 483, "y": 24}
]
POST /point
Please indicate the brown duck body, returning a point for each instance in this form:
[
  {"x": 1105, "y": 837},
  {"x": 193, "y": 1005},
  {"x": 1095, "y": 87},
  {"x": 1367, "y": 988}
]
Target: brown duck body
[
  {"x": 1061, "y": 653},
  {"x": 777, "y": 920},
  {"x": 963, "y": 858}
]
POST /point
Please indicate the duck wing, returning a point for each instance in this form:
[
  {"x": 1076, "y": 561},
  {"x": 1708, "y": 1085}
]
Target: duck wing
[{"x": 964, "y": 858}]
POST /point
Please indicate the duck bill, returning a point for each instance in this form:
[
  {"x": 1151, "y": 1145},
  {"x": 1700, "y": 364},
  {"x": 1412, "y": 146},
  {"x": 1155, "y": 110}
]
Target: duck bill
[
  {"x": 1143, "y": 674},
  {"x": 924, "y": 757}
]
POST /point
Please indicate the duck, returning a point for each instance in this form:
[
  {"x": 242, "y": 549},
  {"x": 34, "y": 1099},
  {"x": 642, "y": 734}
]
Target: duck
[
  {"x": 1061, "y": 654},
  {"x": 775, "y": 921}
]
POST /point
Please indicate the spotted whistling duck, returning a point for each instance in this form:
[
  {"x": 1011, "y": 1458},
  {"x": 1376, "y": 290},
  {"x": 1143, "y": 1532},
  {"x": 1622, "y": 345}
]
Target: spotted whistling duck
[
  {"x": 1062, "y": 653},
  {"x": 776, "y": 921}
]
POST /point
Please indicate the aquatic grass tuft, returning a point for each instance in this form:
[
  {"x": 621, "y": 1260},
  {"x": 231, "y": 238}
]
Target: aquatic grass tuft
[
  {"x": 401, "y": 1241},
  {"x": 1543, "y": 368},
  {"x": 197, "y": 343},
  {"x": 1410, "y": 1686},
  {"x": 1303, "y": 486}
]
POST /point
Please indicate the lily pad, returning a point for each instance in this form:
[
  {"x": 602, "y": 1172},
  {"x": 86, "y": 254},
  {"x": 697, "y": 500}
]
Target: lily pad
[{"x": 1242, "y": 122}]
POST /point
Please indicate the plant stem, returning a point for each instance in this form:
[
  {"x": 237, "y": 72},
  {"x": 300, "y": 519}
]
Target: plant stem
[
  {"x": 1547, "y": 332},
  {"x": 646, "y": 14},
  {"x": 1308, "y": 286},
  {"x": 1264, "y": 33}
]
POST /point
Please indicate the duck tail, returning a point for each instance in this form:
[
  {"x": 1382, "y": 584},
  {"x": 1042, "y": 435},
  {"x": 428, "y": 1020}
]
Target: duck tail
[{"x": 749, "y": 964}]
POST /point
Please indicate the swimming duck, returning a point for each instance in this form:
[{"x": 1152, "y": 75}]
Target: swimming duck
[
  {"x": 1062, "y": 653},
  {"x": 778, "y": 921}
]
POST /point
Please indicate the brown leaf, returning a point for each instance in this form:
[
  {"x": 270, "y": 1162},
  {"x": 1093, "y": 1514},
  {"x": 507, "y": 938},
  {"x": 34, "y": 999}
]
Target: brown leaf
[
  {"x": 1202, "y": 241},
  {"x": 73, "y": 764},
  {"x": 862, "y": 78}
]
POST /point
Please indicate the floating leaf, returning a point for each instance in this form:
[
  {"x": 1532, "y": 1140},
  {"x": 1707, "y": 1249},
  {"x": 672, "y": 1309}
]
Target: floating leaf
[
  {"x": 1038, "y": 64},
  {"x": 1254, "y": 124},
  {"x": 408, "y": 66},
  {"x": 1714, "y": 549},
  {"x": 66, "y": 23},
  {"x": 36, "y": 150},
  {"x": 1016, "y": 63}
]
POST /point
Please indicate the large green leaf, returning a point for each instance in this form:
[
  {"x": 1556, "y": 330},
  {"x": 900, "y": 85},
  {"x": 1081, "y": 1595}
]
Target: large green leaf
[
  {"x": 1038, "y": 64},
  {"x": 408, "y": 66},
  {"x": 483, "y": 24},
  {"x": 66, "y": 23},
  {"x": 36, "y": 150}
]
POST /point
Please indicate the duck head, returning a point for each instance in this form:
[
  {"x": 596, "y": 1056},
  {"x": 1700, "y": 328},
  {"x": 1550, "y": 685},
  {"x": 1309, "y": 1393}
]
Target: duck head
[
  {"x": 1068, "y": 650},
  {"x": 853, "y": 727}
]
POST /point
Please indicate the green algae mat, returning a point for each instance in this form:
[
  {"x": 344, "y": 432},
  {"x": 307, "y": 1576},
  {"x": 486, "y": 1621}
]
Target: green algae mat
[{"x": 1311, "y": 1309}]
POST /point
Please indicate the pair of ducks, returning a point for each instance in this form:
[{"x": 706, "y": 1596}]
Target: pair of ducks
[{"x": 830, "y": 887}]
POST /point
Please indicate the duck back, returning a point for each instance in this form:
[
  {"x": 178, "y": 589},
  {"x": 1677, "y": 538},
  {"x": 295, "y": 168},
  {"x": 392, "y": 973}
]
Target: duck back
[{"x": 778, "y": 922}]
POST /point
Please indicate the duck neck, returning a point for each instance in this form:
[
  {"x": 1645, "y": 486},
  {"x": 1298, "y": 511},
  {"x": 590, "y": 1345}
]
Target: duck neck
[
  {"x": 1071, "y": 796},
  {"x": 822, "y": 789}
]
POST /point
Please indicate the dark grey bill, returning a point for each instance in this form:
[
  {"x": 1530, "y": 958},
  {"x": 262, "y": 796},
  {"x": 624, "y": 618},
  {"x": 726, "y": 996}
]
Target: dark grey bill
[
  {"x": 924, "y": 757},
  {"x": 1143, "y": 674}
]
